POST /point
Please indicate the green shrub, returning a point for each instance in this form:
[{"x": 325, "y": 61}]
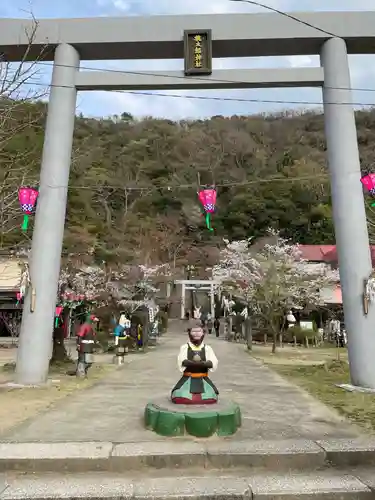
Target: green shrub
[{"x": 299, "y": 333}]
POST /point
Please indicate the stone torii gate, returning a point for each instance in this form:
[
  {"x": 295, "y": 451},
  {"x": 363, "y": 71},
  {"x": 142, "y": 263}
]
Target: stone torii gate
[
  {"x": 161, "y": 37},
  {"x": 207, "y": 286}
]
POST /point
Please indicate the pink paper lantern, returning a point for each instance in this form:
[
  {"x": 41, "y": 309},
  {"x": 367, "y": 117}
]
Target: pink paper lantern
[
  {"x": 58, "y": 310},
  {"x": 368, "y": 180},
  {"x": 27, "y": 196},
  {"x": 208, "y": 199}
]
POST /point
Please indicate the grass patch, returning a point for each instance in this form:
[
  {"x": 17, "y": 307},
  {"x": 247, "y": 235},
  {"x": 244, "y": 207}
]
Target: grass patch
[
  {"x": 320, "y": 380},
  {"x": 289, "y": 355}
]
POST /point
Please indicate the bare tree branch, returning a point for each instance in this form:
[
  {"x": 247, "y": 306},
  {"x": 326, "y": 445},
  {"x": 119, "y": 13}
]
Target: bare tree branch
[{"x": 19, "y": 156}]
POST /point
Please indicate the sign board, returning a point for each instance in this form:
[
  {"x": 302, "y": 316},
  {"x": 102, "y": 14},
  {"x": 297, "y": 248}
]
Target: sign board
[
  {"x": 307, "y": 325},
  {"x": 198, "y": 52}
]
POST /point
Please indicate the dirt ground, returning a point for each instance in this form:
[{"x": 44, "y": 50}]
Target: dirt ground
[{"x": 18, "y": 405}]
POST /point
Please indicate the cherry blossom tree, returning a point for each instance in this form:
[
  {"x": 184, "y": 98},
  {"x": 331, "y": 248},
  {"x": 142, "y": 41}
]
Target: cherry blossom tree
[
  {"x": 130, "y": 285},
  {"x": 89, "y": 282},
  {"x": 138, "y": 291},
  {"x": 107, "y": 289},
  {"x": 272, "y": 278}
]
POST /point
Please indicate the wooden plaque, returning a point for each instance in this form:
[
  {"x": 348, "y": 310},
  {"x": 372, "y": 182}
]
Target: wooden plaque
[{"x": 198, "y": 52}]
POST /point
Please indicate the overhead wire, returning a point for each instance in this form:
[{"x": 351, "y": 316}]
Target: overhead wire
[
  {"x": 215, "y": 98},
  {"x": 193, "y": 185},
  {"x": 175, "y": 77},
  {"x": 288, "y": 15}
]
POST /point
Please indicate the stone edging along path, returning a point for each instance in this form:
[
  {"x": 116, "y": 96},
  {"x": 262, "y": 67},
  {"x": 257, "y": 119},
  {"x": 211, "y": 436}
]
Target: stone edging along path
[{"x": 177, "y": 454}]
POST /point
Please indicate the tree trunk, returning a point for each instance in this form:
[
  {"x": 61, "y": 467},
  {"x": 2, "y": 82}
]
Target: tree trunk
[
  {"x": 274, "y": 342},
  {"x": 248, "y": 334},
  {"x": 59, "y": 354},
  {"x": 145, "y": 330},
  {"x": 275, "y": 326},
  {"x": 230, "y": 328}
]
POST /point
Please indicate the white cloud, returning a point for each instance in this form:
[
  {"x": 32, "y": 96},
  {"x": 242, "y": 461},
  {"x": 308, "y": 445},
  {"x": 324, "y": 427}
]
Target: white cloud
[
  {"x": 121, "y": 5},
  {"x": 166, "y": 7},
  {"x": 152, "y": 7},
  {"x": 300, "y": 61}
]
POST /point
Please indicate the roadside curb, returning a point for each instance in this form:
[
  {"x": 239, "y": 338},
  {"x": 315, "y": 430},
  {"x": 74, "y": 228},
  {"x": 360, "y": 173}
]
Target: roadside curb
[{"x": 175, "y": 454}]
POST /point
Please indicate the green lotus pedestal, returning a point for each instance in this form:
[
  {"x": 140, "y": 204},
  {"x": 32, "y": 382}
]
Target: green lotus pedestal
[{"x": 168, "y": 419}]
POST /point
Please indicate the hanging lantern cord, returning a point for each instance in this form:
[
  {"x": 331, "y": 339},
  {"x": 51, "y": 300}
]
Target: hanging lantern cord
[
  {"x": 208, "y": 221},
  {"x": 25, "y": 222}
]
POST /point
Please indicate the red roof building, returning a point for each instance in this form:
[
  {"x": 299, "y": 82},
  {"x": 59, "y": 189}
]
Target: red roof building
[
  {"x": 325, "y": 253},
  {"x": 316, "y": 253}
]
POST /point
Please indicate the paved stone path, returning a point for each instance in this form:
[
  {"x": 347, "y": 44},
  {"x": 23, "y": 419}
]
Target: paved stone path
[{"x": 272, "y": 408}]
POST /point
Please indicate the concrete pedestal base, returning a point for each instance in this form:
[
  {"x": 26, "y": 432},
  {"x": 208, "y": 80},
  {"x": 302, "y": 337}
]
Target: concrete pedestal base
[
  {"x": 355, "y": 388},
  {"x": 168, "y": 419}
]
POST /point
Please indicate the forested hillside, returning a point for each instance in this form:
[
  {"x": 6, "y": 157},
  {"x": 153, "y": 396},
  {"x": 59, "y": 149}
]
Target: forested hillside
[{"x": 133, "y": 182}]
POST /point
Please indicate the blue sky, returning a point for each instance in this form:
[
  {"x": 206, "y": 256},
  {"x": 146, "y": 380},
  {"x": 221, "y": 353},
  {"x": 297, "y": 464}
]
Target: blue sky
[{"x": 108, "y": 103}]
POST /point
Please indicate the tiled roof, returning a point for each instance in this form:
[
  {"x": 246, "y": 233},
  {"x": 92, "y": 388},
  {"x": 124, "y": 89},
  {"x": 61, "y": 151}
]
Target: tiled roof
[
  {"x": 324, "y": 253},
  {"x": 316, "y": 253}
]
